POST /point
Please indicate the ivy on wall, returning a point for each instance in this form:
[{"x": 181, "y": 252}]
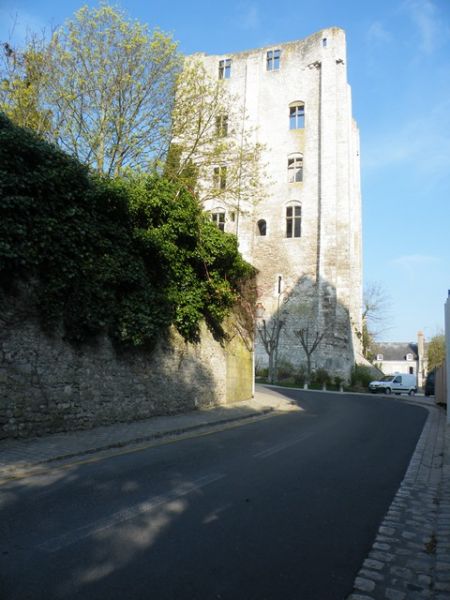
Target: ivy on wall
[{"x": 129, "y": 257}]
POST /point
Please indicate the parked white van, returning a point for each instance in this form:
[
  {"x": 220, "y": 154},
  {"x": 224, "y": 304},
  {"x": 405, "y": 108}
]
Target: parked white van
[{"x": 398, "y": 383}]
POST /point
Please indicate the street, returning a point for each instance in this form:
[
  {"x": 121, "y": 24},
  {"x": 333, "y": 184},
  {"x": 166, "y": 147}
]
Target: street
[{"x": 283, "y": 508}]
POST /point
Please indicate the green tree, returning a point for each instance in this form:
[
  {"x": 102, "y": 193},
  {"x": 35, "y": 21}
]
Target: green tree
[
  {"x": 214, "y": 149},
  {"x": 22, "y": 81},
  {"x": 436, "y": 351},
  {"x": 107, "y": 84}
]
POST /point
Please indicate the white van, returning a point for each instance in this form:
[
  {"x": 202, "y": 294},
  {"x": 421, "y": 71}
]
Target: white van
[{"x": 398, "y": 383}]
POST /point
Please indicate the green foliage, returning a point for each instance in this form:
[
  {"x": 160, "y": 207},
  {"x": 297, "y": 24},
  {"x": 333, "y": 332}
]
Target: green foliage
[
  {"x": 103, "y": 88},
  {"x": 436, "y": 351},
  {"x": 361, "y": 376},
  {"x": 127, "y": 257},
  {"x": 321, "y": 376}
]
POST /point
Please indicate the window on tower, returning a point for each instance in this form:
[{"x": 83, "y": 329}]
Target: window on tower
[
  {"x": 262, "y": 227},
  {"x": 273, "y": 60},
  {"x": 293, "y": 220},
  {"x": 220, "y": 178},
  {"x": 297, "y": 115},
  {"x": 222, "y": 125},
  {"x": 218, "y": 218},
  {"x": 225, "y": 68},
  {"x": 295, "y": 168}
]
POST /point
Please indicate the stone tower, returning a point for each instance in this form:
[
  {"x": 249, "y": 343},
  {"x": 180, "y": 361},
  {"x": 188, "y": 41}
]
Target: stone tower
[{"x": 304, "y": 233}]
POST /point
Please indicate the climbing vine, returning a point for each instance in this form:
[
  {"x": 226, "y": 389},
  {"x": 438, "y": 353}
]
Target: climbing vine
[{"x": 129, "y": 257}]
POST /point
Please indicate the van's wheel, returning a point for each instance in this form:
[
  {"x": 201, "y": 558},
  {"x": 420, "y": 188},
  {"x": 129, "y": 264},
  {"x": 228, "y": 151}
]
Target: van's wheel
[
  {"x": 387, "y": 391},
  {"x": 411, "y": 393}
]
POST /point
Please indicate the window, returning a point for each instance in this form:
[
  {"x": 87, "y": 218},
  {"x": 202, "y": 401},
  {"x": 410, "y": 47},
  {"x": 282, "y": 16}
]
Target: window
[
  {"x": 409, "y": 356},
  {"x": 379, "y": 357},
  {"x": 262, "y": 227},
  {"x": 222, "y": 126},
  {"x": 220, "y": 178},
  {"x": 297, "y": 115},
  {"x": 411, "y": 370},
  {"x": 295, "y": 168},
  {"x": 232, "y": 216},
  {"x": 218, "y": 218},
  {"x": 324, "y": 42},
  {"x": 293, "y": 220},
  {"x": 225, "y": 68},
  {"x": 273, "y": 60}
]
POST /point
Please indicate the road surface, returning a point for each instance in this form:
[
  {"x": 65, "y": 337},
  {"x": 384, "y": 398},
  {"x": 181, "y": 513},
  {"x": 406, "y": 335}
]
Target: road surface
[{"x": 285, "y": 508}]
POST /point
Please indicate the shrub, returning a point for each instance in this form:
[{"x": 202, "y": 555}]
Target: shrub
[
  {"x": 321, "y": 376},
  {"x": 360, "y": 376}
]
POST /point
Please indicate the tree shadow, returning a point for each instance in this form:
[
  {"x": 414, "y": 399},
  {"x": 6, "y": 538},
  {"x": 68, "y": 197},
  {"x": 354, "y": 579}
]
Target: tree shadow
[{"x": 315, "y": 309}]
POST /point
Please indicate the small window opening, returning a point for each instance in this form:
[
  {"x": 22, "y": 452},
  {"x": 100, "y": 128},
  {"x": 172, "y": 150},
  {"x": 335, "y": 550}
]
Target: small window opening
[
  {"x": 324, "y": 42},
  {"x": 411, "y": 370},
  {"x": 262, "y": 227},
  {"x": 232, "y": 216}
]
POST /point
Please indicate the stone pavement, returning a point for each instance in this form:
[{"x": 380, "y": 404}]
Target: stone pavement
[{"x": 410, "y": 557}]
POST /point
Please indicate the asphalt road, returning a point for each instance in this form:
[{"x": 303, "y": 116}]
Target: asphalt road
[{"x": 285, "y": 508}]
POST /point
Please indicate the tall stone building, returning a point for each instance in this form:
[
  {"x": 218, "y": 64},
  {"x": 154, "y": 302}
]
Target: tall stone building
[{"x": 304, "y": 233}]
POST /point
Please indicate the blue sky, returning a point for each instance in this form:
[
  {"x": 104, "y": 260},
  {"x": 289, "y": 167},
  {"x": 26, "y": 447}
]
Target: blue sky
[{"x": 399, "y": 70}]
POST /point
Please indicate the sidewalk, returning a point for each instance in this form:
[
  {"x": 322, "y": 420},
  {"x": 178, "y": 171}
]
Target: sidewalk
[
  {"x": 410, "y": 557},
  {"x": 20, "y": 457}
]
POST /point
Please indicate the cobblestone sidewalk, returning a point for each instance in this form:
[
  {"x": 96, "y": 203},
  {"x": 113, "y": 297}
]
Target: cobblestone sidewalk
[{"x": 410, "y": 558}]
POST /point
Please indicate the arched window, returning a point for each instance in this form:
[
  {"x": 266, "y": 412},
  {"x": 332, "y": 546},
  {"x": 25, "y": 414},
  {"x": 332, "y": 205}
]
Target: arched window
[
  {"x": 262, "y": 227},
  {"x": 295, "y": 168},
  {"x": 297, "y": 115},
  {"x": 293, "y": 220}
]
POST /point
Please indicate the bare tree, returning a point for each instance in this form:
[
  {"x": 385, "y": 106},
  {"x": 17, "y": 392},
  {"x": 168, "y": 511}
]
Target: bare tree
[
  {"x": 376, "y": 305},
  {"x": 269, "y": 334},
  {"x": 309, "y": 338}
]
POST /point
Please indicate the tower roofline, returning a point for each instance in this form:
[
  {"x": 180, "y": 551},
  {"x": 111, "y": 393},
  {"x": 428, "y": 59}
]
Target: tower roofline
[{"x": 318, "y": 34}]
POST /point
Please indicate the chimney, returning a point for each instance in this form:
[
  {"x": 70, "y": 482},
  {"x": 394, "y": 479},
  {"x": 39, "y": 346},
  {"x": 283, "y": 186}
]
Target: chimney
[{"x": 420, "y": 345}]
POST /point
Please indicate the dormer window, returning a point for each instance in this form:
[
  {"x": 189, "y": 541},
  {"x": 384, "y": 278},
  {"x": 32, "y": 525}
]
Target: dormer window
[
  {"x": 409, "y": 356},
  {"x": 379, "y": 357}
]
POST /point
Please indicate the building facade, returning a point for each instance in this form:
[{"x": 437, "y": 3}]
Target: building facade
[
  {"x": 303, "y": 234},
  {"x": 401, "y": 357}
]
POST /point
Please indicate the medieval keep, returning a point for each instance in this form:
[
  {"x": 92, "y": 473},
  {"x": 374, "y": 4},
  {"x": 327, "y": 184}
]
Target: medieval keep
[{"x": 304, "y": 233}]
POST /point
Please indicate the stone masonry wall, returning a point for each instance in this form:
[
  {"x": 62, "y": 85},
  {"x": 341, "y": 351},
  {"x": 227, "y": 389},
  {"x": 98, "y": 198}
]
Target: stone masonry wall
[{"x": 48, "y": 386}]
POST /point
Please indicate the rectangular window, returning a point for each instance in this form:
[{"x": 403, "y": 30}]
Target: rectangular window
[
  {"x": 297, "y": 116},
  {"x": 225, "y": 68},
  {"x": 273, "y": 60},
  {"x": 218, "y": 219},
  {"x": 222, "y": 126},
  {"x": 293, "y": 221},
  {"x": 220, "y": 178}
]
